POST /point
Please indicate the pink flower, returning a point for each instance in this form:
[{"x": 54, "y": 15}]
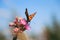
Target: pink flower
[
  {"x": 23, "y": 21},
  {"x": 27, "y": 27},
  {"x": 11, "y": 24},
  {"x": 19, "y": 24},
  {"x": 16, "y": 20},
  {"x": 16, "y": 29}
]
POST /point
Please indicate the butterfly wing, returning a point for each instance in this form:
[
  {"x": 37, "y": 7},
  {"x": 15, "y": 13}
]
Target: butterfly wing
[
  {"x": 27, "y": 15},
  {"x": 31, "y": 16}
]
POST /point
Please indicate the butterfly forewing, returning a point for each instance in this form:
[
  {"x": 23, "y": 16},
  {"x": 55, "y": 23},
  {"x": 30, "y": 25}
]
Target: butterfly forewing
[{"x": 27, "y": 15}]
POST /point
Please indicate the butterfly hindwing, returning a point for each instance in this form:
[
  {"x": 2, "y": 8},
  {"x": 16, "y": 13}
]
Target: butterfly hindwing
[{"x": 31, "y": 16}]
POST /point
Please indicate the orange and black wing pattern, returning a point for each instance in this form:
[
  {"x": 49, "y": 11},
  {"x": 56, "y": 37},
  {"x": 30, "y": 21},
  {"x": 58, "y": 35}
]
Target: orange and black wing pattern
[{"x": 29, "y": 17}]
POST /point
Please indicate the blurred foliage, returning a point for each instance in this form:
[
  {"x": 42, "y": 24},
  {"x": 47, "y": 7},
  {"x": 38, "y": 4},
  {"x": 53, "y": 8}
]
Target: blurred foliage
[
  {"x": 2, "y": 37},
  {"x": 54, "y": 31}
]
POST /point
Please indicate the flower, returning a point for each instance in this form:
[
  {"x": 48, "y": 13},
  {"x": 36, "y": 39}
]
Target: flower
[
  {"x": 16, "y": 30},
  {"x": 16, "y": 20},
  {"x": 19, "y": 24},
  {"x": 27, "y": 27},
  {"x": 23, "y": 21},
  {"x": 11, "y": 24}
]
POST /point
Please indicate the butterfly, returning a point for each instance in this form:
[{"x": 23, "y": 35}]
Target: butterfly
[{"x": 29, "y": 17}]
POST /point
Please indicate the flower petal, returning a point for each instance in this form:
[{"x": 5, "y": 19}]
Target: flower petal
[
  {"x": 27, "y": 27},
  {"x": 23, "y": 21},
  {"x": 15, "y": 29},
  {"x": 11, "y": 24}
]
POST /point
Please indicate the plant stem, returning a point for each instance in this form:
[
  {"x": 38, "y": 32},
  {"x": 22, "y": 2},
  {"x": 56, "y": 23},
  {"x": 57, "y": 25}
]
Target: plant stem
[
  {"x": 22, "y": 36},
  {"x": 15, "y": 38}
]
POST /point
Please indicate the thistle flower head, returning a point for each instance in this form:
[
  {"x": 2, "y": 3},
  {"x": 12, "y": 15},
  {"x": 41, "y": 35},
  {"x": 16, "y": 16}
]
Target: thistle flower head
[{"x": 20, "y": 24}]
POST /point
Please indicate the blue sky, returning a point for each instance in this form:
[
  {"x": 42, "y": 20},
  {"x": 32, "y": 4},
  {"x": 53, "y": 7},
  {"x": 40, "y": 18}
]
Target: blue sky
[{"x": 44, "y": 9}]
